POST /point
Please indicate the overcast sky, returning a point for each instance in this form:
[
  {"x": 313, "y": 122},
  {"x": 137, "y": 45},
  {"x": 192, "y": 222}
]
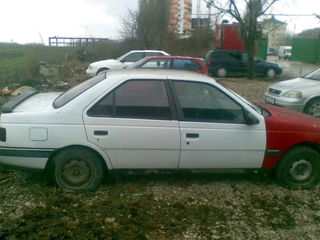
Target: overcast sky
[{"x": 26, "y": 21}]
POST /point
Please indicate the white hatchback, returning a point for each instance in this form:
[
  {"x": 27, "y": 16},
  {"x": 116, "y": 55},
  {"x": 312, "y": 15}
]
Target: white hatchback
[{"x": 149, "y": 119}]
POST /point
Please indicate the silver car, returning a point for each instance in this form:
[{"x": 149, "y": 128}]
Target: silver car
[{"x": 299, "y": 94}]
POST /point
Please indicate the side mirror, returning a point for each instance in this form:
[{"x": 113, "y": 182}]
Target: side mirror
[{"x": 250, "y": 118}]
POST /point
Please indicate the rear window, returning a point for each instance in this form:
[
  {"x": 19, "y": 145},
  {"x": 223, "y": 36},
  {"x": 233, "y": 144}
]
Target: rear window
[{"x": 77, "y": 90}]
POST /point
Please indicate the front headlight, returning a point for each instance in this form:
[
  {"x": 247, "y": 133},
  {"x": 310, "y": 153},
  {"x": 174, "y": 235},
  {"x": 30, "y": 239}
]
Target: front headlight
[{"x": 293, "y": 94}]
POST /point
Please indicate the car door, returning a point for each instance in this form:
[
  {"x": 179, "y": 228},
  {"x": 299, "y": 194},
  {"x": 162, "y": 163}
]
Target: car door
[
  {"x": 213, "y": 128},
  {"x": 134, "y": 125}
]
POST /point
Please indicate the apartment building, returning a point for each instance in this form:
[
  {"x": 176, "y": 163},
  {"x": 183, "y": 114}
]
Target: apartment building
[
  {"x": 180, "y": 17},
  {"x": 276, "y": 32}
]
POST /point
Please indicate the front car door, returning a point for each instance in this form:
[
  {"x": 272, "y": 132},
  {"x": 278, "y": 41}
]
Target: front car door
[
  {"x": 214, "y": 133},
  {"x": 135, "y": 126}
]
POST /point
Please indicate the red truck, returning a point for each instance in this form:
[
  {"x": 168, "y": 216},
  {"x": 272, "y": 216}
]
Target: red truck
[{"x": 228, "y": 36}]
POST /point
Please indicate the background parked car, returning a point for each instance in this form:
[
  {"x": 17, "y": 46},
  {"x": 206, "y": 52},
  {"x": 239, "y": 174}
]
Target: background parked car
[
  {"x": 284, "y": 52},
  {"x": 222, "y": 63},
  {"x": 125, "y": 60},
  {"x": 170, "y": 62},
  {"x": 299, "y": 94}
]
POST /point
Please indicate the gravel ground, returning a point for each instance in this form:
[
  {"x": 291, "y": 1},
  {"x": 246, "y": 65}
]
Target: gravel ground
[{"x": 204, "y": 206}]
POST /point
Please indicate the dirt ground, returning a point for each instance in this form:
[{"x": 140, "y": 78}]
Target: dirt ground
[{"x": 178, "y": 206}]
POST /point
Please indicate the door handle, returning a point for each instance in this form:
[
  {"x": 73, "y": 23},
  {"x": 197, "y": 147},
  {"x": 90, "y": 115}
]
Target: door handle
[
  {"x": 192, "y": 135},
  {"x": 100, "y": 133}
]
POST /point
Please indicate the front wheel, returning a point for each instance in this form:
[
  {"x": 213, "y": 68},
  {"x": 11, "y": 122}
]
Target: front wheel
[
  {"x": 77, "y": 170},
  {"x": 313, "y": 108},
  {"x": 101, "y": 70},
  {"x": 299, "y": 168}
]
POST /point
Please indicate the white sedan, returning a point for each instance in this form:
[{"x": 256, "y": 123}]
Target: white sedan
[
  {"x": 122, "y": 61},
  {"x": 149, "y": 119}
]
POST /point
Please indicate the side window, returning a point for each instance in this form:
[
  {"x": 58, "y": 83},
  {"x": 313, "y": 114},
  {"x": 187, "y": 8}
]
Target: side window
[
  {"x": 154, "y": 54},
  {"x": 135, "y": 99},
  {"x": 185, "y": 64},
  {"x": 133, "y": 57},
  {"x": 157, "y": 63},
  {"x": 204, "y": 102}
]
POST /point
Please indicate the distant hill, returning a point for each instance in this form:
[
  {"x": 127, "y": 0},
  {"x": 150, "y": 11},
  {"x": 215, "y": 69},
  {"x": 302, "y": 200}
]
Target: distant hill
[{"x": 310, "y": 33}]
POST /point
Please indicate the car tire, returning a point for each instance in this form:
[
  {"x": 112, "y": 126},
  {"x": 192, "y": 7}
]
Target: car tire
[
  {"x": 313, "y": 108},
  {"x": 101, "y": 70},
  {"x": 270, "y": 73},
  {"x": 299, "y": 168},
  {"x": 221, "y": 72},
  {"x": 77, "y": 170}
]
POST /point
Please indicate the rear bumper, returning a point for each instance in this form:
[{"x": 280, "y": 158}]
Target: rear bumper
[{"x": 25, "y": 158}]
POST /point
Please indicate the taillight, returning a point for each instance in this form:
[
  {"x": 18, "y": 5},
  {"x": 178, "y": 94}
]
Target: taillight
[{"x": 209, "y": 62}]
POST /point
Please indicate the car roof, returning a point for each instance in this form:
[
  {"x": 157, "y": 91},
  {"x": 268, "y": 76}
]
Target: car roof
[
  {"x": 177, "y": 57},
  {"x": 147, "y": 51},
  {"x": 227, "y": 50},
  {"x": 159, "y": 74}
]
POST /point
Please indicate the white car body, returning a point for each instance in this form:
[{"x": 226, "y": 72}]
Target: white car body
[
  {"x": 36, "y": 125},
  {"x": 121, "y": 62},
  {"x": 150, "y": 119}
]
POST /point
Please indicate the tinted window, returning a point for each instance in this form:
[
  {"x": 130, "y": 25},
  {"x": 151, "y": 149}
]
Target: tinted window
[
  {"x": 186, "y": 64},
  {"x": 226, "y": 55},
  {"x": 133, "y": 57},
  {"x": 77, "y": 90},
  {"x": 135, "y": 99},
  {"x": 204, "y": 102}
]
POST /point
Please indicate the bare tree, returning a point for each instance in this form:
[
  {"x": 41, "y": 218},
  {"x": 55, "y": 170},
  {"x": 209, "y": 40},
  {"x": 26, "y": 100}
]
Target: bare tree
[
  {"x": 149, "y": 24},
  {"x": 248, "y": 20}
]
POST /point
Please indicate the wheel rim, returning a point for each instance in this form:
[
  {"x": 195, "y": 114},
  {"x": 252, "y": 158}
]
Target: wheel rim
[
  {"x": 222, "y": 72},
  {"x": 75, "y": 173},
  {"x": 271, "y": 73},
  {"x": 314, "y": 110},
  {"x": 301, "y": 170}
]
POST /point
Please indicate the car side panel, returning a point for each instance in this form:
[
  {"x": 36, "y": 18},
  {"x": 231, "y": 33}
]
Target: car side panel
[
  {"x": 283, "y": 133},
  {"x": 136, "y": 143},
  {"x": 221, "y": 145}
]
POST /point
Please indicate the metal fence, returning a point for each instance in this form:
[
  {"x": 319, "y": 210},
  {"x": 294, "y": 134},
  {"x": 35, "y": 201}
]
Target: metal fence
[{"x": 306, "y": 50}]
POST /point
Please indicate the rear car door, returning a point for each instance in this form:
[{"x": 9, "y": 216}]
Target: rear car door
[
  {"x": 214, "y": 133},
  {"x": 135, "y": 126}
]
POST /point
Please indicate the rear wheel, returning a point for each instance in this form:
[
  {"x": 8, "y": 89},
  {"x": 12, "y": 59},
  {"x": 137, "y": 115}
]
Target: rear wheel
[
  {"x": 221, "y": 72},
  {"x": 313, "y": 108},
  {"x": 270, "y": 73},
  {"x": 299, "y": 168},
  {"x": 77, "y": 170}
]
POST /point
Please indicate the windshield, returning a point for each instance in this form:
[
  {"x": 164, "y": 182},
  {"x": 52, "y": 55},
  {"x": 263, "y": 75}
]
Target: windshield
[
  {"x": 122, "y": 56},
  {"x": 315, "y": 75},
  {"x": 77, "y": 90},
  {"x": 137, "y": 64}
]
